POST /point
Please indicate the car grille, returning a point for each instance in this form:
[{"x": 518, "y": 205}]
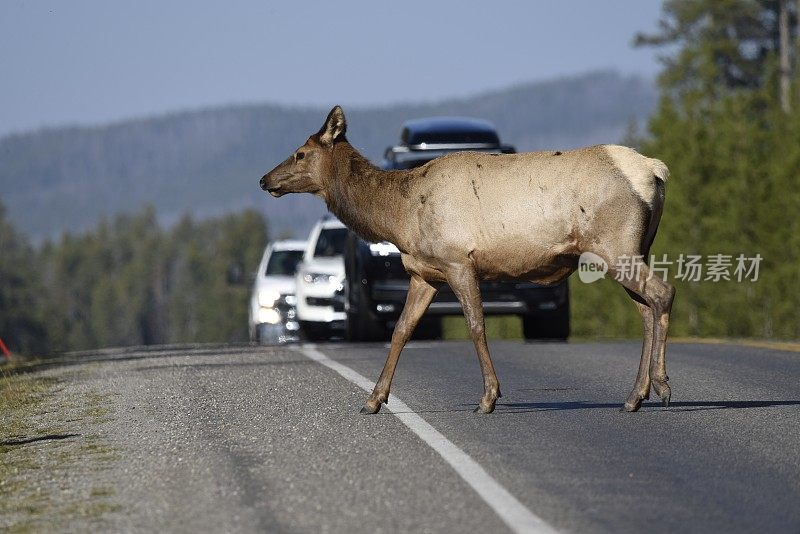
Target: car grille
[{"x": 319, "y": 301}]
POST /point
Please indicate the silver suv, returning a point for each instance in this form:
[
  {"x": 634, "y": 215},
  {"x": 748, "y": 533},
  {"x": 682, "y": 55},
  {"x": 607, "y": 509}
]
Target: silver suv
[
  {"x": 319, "y": 279},
  {"x": 273, "y": 315}
]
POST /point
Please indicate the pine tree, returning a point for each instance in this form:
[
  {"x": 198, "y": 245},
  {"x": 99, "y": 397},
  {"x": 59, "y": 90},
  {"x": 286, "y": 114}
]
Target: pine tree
[
  {"x": 732, "y": 150},
  {"x": 21, "y": 322}
]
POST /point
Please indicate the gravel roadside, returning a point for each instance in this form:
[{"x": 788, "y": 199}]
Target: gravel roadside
[{"x": 225, "y": 439}]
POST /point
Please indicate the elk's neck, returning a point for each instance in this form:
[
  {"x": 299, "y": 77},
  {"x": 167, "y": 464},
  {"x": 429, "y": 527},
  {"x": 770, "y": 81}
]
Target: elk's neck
[{"x": 372, "y": 202}]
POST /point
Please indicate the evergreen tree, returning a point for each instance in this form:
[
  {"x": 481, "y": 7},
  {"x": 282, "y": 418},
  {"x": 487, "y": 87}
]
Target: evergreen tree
[
  {"x": 734, "y": 157},
  {"x": 21, "y": 324},
  {"x": 131, "y": 283},
  {"x": 733, "y": 154},
  {"x": 722, "y": 44}
]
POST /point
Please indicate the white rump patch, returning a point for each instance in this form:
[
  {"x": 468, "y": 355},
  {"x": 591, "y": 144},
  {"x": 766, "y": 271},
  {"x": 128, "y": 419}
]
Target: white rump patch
[{"x": 639, "y": 170}]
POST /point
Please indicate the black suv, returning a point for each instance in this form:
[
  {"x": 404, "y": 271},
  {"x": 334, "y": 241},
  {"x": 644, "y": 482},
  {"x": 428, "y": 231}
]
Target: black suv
[{"x": 376, "y": 282}]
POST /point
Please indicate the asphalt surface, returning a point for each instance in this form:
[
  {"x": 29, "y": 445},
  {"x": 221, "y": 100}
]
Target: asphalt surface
[{"x": 246, "y": 439}]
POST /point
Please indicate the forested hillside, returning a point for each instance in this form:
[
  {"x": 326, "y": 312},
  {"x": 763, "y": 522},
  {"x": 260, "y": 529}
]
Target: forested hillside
[
  {"x": 130, "y": 282},
  {"x": 208, "y": 162},
  {"x": 727, "y": 124}
]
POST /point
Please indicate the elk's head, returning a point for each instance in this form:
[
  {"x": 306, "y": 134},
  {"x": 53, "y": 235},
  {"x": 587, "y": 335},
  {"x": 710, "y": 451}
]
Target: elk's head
[{"x": 311, "y": 165}]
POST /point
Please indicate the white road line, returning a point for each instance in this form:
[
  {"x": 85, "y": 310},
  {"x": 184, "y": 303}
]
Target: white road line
[{"x": 513, "y": 513}]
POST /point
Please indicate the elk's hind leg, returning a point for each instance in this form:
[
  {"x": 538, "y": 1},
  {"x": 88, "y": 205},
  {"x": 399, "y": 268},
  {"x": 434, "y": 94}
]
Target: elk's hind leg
[
  {"x": 657, "y": 296},
  {"x": 663, "y": 293},
  {"x": 641, "y": 388}
]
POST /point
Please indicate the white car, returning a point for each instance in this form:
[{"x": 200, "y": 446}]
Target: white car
[
  {"x": 320, "y": 277},
  {"x": 273, "y": 302}
]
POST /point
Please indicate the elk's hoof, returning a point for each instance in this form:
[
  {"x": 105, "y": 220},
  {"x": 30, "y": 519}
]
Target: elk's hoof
[
  {"x": 370, "y": 409},
  {"x": 484, "y": 408},
  {"x": 631, "y": 407},
  {"x": 662, "y": 390},
  {"x": 633, "y": 402}
]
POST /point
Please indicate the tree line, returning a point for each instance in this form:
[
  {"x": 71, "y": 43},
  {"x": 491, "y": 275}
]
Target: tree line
[{"x": 129, "y": 282}]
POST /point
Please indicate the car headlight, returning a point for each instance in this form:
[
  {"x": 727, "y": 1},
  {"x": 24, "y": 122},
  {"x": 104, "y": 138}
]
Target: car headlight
[
  {"x": 269, "y": 315},
  {"x": 384, "y": 248},
  {"x": 267, "y": 297},
  {"x": 318, "y": 278}
]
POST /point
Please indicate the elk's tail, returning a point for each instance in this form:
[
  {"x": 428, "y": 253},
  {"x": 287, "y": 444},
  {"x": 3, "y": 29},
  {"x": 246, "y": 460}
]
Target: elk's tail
[
  {"x": 659, "y": 169},
  {"x": 661, "y": 173},
  {"x": 646, "y": 177}
]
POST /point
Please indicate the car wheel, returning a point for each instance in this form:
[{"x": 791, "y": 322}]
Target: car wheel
[
  {"x": 428, "y": 328},
  {"x": 314, "y": 331},
  {"x": 552, "y": 328},
  {"x": 362, "y": 326},
  {"x": 360, "y": 323}
]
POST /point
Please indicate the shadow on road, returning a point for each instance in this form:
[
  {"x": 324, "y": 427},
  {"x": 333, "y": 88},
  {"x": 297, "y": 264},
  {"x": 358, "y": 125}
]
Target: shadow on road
[
  {"x": 681, "y": 406},
  {"x": 684, "y": 406},
  {"x": 25, "y": 441}
]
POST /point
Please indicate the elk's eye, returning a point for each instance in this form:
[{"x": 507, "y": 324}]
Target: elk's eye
[{"x": 300, "y": 155}]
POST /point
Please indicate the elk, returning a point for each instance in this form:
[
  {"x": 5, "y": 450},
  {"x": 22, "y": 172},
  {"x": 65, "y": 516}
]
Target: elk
[{"x": 470, "y": 216}]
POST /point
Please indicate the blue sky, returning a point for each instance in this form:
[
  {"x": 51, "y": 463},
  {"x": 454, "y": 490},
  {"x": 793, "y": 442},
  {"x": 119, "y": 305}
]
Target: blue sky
[{"x": 84, "y": 62}]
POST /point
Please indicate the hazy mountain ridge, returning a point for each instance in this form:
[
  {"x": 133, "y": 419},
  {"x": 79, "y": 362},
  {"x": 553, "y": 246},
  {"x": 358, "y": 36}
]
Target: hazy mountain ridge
[{"x": 209, "y": 161}]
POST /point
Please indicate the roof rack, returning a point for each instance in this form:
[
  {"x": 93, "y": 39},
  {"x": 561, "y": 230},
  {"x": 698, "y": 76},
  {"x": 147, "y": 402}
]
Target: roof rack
[
  {"x": 448, "y": 130},
  {"x": 428, "y": 138}
]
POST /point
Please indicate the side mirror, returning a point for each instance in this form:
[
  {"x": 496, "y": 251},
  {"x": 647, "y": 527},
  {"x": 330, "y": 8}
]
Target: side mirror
[{"x": 235, "y": 275}]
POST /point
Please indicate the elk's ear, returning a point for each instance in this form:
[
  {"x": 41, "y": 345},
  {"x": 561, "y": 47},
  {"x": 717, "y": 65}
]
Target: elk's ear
[{"x": 334, "y": 128}]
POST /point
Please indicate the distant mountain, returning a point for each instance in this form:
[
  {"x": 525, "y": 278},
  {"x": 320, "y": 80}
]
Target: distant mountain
[{"x": 209, "y": 161}]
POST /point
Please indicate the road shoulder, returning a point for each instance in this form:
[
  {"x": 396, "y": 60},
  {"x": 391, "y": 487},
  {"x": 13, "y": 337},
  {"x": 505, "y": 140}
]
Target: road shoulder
[{"x": 53, "y": 451}]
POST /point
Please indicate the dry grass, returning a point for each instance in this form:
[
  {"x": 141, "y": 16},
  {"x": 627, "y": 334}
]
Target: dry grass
[
  {"x": 49, "y": 441},
  {"x": 21, "y": 396}
]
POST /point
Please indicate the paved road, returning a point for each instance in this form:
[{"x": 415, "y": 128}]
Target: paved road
[{"x": 266, "y": 439}]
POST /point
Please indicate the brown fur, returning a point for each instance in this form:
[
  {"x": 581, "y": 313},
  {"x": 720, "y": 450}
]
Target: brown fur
[{"x": 470, "y": 216}]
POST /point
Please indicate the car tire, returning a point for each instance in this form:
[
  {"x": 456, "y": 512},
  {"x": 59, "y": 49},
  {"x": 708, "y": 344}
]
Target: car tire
[
  {"x": 554, "y": 327},
  {"x": 428, "y": 328},
  {"x": 253, "y": 334},
  {"x": 314, "y": 331},
  {"x": 360, "y": 323},
  {"x": 363, "y": 326}
]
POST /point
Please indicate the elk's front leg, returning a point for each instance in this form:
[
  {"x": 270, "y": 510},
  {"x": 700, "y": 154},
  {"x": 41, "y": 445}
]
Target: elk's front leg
[
  {"x": 420, "y": 295},
  {"x": 464, "y": 282}
]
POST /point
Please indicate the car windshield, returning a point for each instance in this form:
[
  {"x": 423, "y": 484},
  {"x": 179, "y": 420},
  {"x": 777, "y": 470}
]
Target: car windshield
[
  {"x": 330, "y": 242},
  {"x": 283, "y": 262}
]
